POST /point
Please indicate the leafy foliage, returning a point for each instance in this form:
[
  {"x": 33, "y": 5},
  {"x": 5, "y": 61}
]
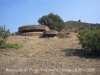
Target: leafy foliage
[
  {"x": 90, "y": 41},
  {"x": 3, "y": 37},
  {"x": 3, "y": 34},
  {"x": 54, "y": 22}
]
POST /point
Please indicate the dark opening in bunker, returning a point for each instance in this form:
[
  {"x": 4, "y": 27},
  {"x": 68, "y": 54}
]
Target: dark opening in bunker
[
  {"x": 49, "y": 35},
  {"x": 37, "y": 30}
]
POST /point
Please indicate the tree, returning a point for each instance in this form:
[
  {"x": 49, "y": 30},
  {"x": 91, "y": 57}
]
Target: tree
[
  {"x": 79, "y": 20},
  {"x": 53, "y": 21}
]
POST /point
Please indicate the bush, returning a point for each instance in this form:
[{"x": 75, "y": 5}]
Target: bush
[
  {"x": 90, "y": 41},
  {"x": 3, "y": 35},
  {"x": 8, "y": 45}
]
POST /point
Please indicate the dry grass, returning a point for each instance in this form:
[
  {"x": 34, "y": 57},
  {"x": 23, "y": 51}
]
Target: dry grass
[{"x": 47, "y": 56}]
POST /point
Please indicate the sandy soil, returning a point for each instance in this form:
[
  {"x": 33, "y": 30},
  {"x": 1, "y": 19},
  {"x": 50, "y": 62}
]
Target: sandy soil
[{"x": 47, "y": 56}]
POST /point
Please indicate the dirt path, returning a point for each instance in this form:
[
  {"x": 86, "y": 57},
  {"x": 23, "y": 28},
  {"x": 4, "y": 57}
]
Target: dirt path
[{"x": 47, "y": 56}]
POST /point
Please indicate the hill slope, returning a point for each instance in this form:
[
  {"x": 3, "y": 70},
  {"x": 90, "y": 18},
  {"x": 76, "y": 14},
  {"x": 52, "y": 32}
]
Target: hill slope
[
  {"x": 47, "y": 56},
  {"x": 77, "y": 25}
]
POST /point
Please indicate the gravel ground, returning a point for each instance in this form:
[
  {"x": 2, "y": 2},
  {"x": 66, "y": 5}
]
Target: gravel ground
[{"x": 47, "y": 56}]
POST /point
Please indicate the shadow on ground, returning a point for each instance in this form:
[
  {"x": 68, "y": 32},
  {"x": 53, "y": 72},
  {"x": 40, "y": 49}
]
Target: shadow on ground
[{"x": 79, "y": 52}]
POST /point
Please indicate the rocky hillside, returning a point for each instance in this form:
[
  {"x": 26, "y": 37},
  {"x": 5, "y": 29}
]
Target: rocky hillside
[
  {"x": 47, "y": 56},
  {"x": 78, "y": 25}
]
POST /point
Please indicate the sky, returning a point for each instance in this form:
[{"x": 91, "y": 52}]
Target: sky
[{"x": 16, "y": 13}]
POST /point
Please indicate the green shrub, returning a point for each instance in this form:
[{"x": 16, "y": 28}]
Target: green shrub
[
  {"x": 90, "y": 41},
  {"x": 8, "y": 45},
  {"x": 3, "y": 34}
]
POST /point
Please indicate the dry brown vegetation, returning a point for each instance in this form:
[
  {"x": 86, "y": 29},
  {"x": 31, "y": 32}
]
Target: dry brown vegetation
[
  {"x": 74, "y": 26},
  {"x": 47, "y": 56}
]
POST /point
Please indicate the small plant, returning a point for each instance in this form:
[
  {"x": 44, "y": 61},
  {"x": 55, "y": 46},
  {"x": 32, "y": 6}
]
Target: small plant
[
  {"x": 8, "y": 45},
  {"x": 90, "y": 41},
  {"x": 4, "y": 34}
]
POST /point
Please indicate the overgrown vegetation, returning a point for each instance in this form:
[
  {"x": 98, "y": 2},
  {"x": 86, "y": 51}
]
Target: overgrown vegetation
[
  {"x": 4, "y": 34},
  {"x": 75, "y": 26},
  {"x": 53, "y": 21},
  {"x": 90, "y": 41}
]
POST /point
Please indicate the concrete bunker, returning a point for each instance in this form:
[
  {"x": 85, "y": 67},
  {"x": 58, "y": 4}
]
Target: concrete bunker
[
  {"x": 51, "y": 33},
  {"x": 33, "y": 30}
]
